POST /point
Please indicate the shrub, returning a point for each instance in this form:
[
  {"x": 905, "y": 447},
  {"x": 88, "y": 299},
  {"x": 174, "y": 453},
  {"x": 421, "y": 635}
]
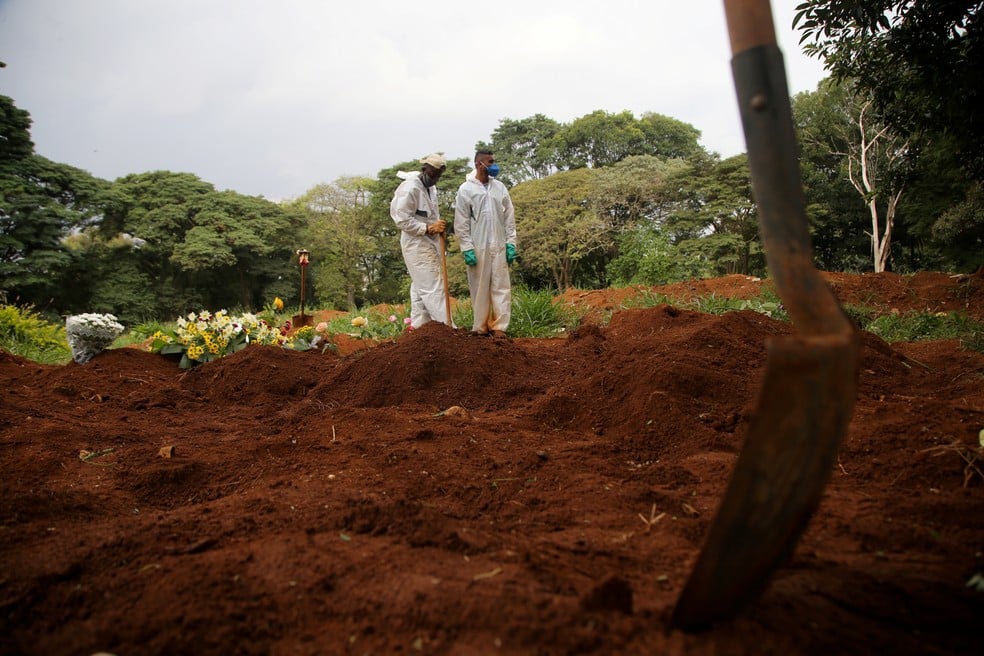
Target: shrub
[
  {"x": 537, "y": 314},
  {"x": 24, "y": 333}
]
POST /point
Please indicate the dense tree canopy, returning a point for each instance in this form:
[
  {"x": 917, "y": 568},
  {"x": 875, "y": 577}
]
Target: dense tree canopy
[
  {"x": 220, "y": 249},
  {"x": 41, "y": 202},
  {"x": 537, "y": 146},
  {"x": 922, "y": 62},
  {"x": 559, "y": 223},
  {"x": 524, "y": 148}
]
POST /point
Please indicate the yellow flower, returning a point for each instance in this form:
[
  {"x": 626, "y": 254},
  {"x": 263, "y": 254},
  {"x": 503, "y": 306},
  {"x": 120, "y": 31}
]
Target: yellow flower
[
  {"x": 358, "y": 322},
  {"x": 278, "y": 304},
  {"x": 158, "y": 335}
]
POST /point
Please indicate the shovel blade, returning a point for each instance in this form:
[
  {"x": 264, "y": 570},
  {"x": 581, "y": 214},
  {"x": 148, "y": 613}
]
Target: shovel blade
[{"x": 804, "y": 407}]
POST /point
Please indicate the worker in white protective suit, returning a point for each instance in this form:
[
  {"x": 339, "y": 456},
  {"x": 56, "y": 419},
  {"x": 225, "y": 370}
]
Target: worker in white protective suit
[
  {"x": 415, "y": 211},
  {"x": 485, "y": 223}
]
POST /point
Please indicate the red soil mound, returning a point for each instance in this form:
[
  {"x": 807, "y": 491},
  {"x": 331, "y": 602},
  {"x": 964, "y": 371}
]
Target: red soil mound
[{"x": 320, "y": 504}]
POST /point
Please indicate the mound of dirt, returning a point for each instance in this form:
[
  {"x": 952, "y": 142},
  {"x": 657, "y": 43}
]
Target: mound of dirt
[
  {"x": 881, "y": 292},
  {"x": 446, "y": 493}
]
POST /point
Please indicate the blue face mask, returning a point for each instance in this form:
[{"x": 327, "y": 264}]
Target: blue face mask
[{"x": 493, "y": 170}]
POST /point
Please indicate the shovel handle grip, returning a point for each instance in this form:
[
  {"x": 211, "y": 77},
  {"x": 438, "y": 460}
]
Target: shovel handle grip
[{"x": 750, "y": 24}]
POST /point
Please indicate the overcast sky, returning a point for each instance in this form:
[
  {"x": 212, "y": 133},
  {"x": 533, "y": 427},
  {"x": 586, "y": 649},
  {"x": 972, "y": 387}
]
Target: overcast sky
[{"x": 270, "y": 97}]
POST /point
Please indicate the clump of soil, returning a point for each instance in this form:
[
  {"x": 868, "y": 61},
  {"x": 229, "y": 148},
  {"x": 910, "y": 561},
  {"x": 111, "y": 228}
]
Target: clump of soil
[{"x": 452, "y": 494}]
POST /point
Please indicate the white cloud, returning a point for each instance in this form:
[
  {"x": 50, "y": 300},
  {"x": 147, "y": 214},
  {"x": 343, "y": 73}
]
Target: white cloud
[{"x": 272, "y": 98}]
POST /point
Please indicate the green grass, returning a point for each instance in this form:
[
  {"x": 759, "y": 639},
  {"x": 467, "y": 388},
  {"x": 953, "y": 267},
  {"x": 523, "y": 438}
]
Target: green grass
[
  {"x": 534, "y": 314},
  {"x": 926, "y": 326},
  {"x": 537, "y": 314},
  {"x": 23, "y": 332},
  {"x": 766, "y": 303},
  {"x": 908, "y": 327},
  {"x": 379, "y": 325}
]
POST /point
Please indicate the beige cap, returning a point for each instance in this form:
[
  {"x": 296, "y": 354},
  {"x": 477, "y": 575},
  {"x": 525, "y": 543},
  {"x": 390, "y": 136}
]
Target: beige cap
[{"x": 436, "y": 160}]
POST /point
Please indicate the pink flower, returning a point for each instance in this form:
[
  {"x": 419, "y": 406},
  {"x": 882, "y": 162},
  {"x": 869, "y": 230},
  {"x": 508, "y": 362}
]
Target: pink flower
[
  {"x": 321, "y": 327},
  {"x": 392, "y": 318},
  {"x": 406, "y": 321}
]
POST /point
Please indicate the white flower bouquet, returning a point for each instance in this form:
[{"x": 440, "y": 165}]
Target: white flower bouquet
[{"x": 88, "y": 334}]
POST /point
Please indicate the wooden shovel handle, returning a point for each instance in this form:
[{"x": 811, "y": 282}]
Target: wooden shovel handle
[
  {"x": 749, "y": 24},
  {"x": 810, "y": 382},
  {"x": 444, "y": 278}
]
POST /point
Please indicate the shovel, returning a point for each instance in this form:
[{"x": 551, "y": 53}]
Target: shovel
[
  {"x": 444, "y": 277},
  {"x": 810, "y": 382}
]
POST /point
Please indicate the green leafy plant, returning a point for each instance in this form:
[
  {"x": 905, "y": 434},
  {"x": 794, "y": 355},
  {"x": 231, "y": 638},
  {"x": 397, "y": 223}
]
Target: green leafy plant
[
  {"x": 25, "y": 333},
  {"x": 537, "y": 314},
  {"x": 370, "y": 324},
  {"x": 463, "y": 314},
  {"x": 860, "y": 315}
]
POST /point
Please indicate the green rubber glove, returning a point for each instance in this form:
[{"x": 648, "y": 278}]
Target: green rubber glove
[
  {"x": 470, "y": 258},
  {"x": 510, "y": 253}
]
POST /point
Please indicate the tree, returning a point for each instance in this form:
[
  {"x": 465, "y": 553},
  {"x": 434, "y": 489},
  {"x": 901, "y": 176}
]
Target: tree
[
  {"x": 601, "y": 139},
  {"x": 639, "y": 188},
  {"x": 637, "y": 195},
  {"x": 107, "y": 276},
  {"x": 719, "y": 226},
  {"x": 921, "y": 63},
  {"x": 961, "y": 230},
  {"x": 231, "y": 234},
  {"x": 835, "y": 216},
  {"x": 524, "y": 148},
  {"x": 202, "y": 248},
  {"x": 646, "y": 256},
  {"x": 669, "y": 138},
  {"x": 41, "y": 203},
  {"x": 874, "y": 159},
  {"x": 559, "y": 225},
  {"x": 15, "y": 132},
  {"x": 345, "y": 246}
]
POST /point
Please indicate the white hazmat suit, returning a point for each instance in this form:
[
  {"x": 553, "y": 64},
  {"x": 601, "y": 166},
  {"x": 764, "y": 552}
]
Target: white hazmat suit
[
  {"x": 484, "y": 221},
  {"x": 413, "y": 208}
]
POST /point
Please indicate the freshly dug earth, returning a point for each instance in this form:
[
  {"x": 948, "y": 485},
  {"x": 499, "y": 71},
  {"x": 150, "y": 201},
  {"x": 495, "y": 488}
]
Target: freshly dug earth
[{"x": 446, "y": 493}]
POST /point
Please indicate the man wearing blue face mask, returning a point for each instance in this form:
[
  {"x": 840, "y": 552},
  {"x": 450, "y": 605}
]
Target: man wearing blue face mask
[{"x": 485, "y": 223}]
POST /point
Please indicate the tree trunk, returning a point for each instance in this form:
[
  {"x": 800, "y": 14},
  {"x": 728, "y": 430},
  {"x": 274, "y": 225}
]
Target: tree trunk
[{"x": 883, "y": 246}]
